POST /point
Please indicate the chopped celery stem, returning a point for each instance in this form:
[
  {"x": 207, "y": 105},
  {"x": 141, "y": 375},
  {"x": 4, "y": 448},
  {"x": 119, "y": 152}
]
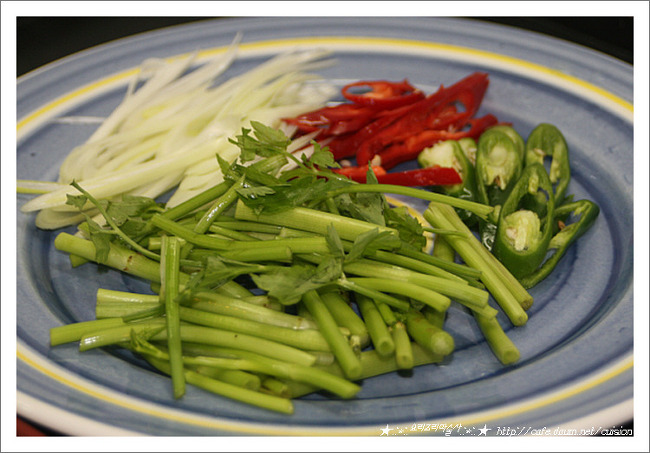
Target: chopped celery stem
[
  {"x": 344, "y": 315},
  {"x": 306, "y": 339},
  {"x": 403, "y": 348},
  {"x": 311, "y": 220},
  {"x": 475, "y": 254},
  {"x": 481, "y": 210},
  {"x": 344, "y": 354},
  {"x": 377, "y": 329},
  {"x": 424, "y": 295},
  {"x": 170, "y": 283},
  {"x": 218, "y": 337},
  {"x": 427, "y": 335},
  {"x": 258, "y": 399}
]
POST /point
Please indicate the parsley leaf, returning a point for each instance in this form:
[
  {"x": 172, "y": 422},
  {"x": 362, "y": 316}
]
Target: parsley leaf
[
  {"x": 369, "y": 242},
  {"x": 362, "y": 206},
  {"x": 267, "y": 142},
  {"x": 321, "y": 158},
  {"x": 334, "y": 242},
  {"x": 410, "y": 230},
  {"x": 253, "y": 192},
  {"x": 100, "y": 237},
  {"x": 218, "y": 270},
  {"x": 288, "y": 284},
  {"x": 78, "y": 201}
]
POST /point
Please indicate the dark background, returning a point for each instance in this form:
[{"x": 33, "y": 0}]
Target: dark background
[{"x": 41, "y": 40}]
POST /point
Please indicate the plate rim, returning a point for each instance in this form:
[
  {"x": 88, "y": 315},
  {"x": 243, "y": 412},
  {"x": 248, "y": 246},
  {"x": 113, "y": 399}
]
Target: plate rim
[
  {"x": 38, "y": 410},
  {"x": 425, "y": 42}
]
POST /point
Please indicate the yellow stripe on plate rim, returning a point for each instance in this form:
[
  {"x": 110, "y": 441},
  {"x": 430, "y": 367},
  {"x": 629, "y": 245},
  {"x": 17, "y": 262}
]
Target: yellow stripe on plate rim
[
  {"x": 94, "y": 390},
  {"x": 522, "y": 67}
]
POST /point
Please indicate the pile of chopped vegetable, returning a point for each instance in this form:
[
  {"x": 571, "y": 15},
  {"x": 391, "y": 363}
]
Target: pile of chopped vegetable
[
  {"x": 534, "y": 221},
  {"x": 276, "y": 271},
  {"x": 273, "y": 283},
  {"x": 173, "y": 119},
  {"x": 387, "y": 123}
]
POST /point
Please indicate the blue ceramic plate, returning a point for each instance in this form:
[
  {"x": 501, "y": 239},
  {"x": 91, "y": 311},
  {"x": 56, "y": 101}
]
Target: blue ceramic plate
[{"x": 576, "y": 350}]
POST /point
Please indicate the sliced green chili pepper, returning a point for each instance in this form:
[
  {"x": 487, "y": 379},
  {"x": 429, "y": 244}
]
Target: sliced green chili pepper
[
  {"x": 517, "y": 139},
  {"x": 587, "y": 212},
  {"x": 468, "y": 145},
  {"x": 547, "y": 140},
  {"x": 523, "y": 236},
  {"x": 498, "y": 167},
  {"x": 449, "y": 154}
]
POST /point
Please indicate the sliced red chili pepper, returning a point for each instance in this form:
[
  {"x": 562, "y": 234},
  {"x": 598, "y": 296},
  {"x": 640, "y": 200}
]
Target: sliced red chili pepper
[
  {"x": 346, "y": 118},
  {"x": 359, "y": 174},
  {"x": 409, "y": 149},
  {"x": 371, "y": 127},
  {"x": 342, "y": 146},
  {"x": 349, "y": 145},
  {"x": 383, "y": 94},
  {"x": 437, "y": 111},
  {"x": 430, "y": 176},
  {"x": 334, "y": 120}
]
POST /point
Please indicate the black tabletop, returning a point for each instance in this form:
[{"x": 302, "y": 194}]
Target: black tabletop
[{"x": 41, "y": 40}]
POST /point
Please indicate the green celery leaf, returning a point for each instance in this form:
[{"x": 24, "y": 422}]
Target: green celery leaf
[
  {"x": 219, "y": 270},
  {"x": 410, "y": 230},
  {"x": 362, "y": 206},
  {"x": 321, "y": 158},
  {"x": 273, "y": 138},
  {"x": 129, "y": 207},
  {"x": 289, "y": 283},
  {"x": 330, "y": 269},
  {"x": 77, "y": 201},
  {"x": 254, "y": 192},
  {"x": 267, "y": 142},
  {"x": 100, "y": 238},
  {"x": 228, "y": 171},
  {"x": 334, "y": 242},
  {"x": 133, "y": 227},
  {"x": 369, "y": 242},
  {"x": 259, "y": 177},
  {"x": 371, "y": 177}
]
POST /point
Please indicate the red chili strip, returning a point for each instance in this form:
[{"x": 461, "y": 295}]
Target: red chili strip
[
  {"x": 360, "y": 173},
  {"x": 382, "y": 94},
  {"x": 336, "y": 120},
  {"x": 434, "y": 112},
  {"x": 431, "y": 176},
  {"x": 410, "y": 148},
  {"x": 395, "y": 121}
]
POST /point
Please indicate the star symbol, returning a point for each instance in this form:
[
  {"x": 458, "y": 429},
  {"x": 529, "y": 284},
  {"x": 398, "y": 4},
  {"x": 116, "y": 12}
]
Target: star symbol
[
  {"x": 385, "y": 431},
  {"x": 484, "y": 430}
]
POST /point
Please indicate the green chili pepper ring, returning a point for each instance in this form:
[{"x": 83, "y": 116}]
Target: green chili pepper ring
[
  {"x": 499, "y": 163},
  {"x": 547, "y": 140},
  {"x": 498, "y": 166},
  {"x": 523, "y": 236},
  {"x": 588, "y": 212},
  {"x": 517, "y": 139}
]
